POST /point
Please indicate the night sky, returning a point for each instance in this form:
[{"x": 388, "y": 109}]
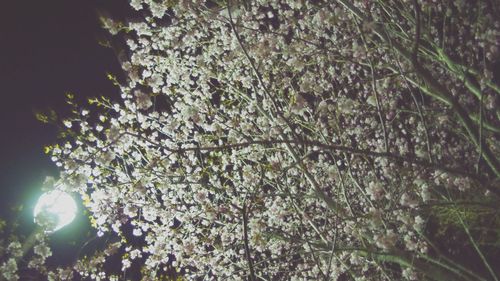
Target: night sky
[{"x": 48, "y": 48}]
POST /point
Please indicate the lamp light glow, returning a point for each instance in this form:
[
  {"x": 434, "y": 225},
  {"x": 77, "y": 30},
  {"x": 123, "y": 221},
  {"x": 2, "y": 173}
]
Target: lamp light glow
[{"x": 54, "y": 210}]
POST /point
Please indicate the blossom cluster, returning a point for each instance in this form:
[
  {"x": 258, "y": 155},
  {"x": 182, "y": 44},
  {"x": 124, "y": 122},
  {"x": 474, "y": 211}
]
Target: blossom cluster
[{"x": 286, "y": 140}]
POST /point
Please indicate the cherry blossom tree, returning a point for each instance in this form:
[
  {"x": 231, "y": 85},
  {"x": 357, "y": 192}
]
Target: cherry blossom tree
[{"x": 293, "y": 140}]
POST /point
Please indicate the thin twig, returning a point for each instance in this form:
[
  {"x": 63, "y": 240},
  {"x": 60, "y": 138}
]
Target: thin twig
[
  {"x": 375, "y": 92},
  {"x": 245, "y": 240},
  {"x": 417, "y": 31}
]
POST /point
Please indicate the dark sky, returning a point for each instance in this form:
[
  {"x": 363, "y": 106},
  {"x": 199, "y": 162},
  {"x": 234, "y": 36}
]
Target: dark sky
[{"x": 47, "y": 48}]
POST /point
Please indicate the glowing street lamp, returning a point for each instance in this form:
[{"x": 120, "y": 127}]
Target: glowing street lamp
[{"x": 54, "y": 210}]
